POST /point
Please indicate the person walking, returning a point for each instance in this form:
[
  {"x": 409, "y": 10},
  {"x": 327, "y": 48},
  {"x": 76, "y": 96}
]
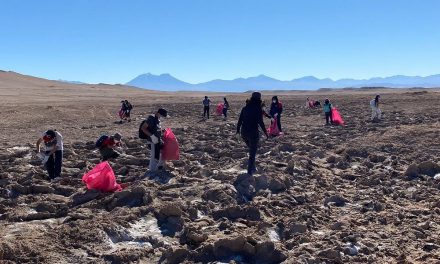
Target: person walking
[{"x": 251, "y": 117}]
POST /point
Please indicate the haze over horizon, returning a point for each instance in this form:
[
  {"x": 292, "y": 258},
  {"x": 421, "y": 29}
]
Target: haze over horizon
[{"x": 199, "y": 41}]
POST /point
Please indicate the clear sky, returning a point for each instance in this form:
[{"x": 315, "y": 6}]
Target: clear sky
[{"x": 199, "y": 40}]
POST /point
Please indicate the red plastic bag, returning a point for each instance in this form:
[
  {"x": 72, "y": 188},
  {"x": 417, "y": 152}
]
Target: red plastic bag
[
  {"x": 219, "y": 110},
  {"x": 337, "y": 119},
  {"x": 101, "y": 178},
  {"x": 121, "y": 113},
  {"x": 273, "y": 130},
  {"x": 170, "y": 149},
  {"x": 312, "y": 104}
]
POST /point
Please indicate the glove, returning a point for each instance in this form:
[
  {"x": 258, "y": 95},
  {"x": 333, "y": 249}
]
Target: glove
[
  {"x": 45, "y": 159},
  {"x": 154, "y": 139},
  {"x": 238, "y": 136}
]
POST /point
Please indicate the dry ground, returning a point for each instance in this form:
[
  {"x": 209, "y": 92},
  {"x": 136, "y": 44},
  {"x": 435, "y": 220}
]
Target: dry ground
[{"x": 322, "y": 194}]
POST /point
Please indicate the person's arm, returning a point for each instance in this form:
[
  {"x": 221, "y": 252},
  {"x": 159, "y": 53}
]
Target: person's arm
[
  {"x": 240, "y": 121},
  {"x": 261, "y": 122},
  {"x": 38, "y": 144},
  {"x": 145, "y": 129}
]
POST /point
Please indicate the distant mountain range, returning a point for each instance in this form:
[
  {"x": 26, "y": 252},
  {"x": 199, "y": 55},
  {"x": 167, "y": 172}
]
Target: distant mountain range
[{"x": 166, "y": 82}]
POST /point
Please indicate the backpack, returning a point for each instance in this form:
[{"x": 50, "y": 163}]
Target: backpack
[
  {"x": 100, "y": 141},
  {"x": 129, "y": 106},
  {"x": 142, "y": 135}
]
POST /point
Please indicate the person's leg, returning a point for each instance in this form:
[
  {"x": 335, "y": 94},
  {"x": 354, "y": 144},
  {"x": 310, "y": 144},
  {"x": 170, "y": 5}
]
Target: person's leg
[
  {"x": 279, "y": 122},
  {"x": 253, "y": 145},
  {"x": 207, "y": 111},
  {"x": 327, "y": 118},
  {"x": 331, "y": 117},
  {"x": 58, "y": 163},
  {"x": 379, "y": 113},
  {"x": 50, "y": 167},
  {"x": 373, "y": 113},
  {"x": 204, "y": 111},
  {"x": 153, "y": 162}
]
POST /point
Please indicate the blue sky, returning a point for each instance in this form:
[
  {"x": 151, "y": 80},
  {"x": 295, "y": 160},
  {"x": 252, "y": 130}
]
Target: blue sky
[{"x": 113, "y": 41}]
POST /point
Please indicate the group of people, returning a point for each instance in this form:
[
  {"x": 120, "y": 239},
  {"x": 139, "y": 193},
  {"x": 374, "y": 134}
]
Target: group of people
[{"x": 249, "y": 123}]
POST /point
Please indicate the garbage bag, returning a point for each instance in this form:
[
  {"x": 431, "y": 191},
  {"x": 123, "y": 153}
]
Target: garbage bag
[
  {"x": 273, "y": 130},
  {"x": 337, "y": 119},
  {"x": 101, "y": 178},
  {"x": 121, "y": 114},
  {"x": 312, "y": 104},
  {"x": 219, "y": 110},
  {"x": 170, "y": 148}
]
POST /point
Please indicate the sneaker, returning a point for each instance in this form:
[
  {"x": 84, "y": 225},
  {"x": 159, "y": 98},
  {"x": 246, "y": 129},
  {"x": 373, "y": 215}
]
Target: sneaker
[{"x": 55, "y": 180}]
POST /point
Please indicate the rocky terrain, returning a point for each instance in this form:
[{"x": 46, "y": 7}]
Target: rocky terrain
[{"x": 363, "y": 193}]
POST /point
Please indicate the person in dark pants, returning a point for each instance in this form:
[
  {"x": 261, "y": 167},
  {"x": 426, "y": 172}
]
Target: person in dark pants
[
  {"x": 128, "y": 108},
  {"x": 53, "y": 152},
  {"x": 276, "y": 108},
  {"x": 328, "y": 112},
  {"x": 225, "y": 108},
  {"x": 251, "y": 117},
  {"x": 107, "y": 146},
  {"x": 206, "y": 102},
  {"x": 150, "y": 129}
]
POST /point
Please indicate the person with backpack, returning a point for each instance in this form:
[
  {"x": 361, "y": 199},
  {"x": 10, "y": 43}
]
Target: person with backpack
[
  {"x": 53, "y": 152},
  {"x": 128, "y": 108},
  {"x": 276, "y": 108},
  {"x": 122, "y": 111},
  {"x": 150, "y": 129},
  {"x": 206, "y": 102},
  {"x": 106, "y": 145},
  {"x": 251, "y": 117},
  {"x": 327, "y": 107},
  {"x": 225, "y": 108},
  {"x": 376, "y": 113}
]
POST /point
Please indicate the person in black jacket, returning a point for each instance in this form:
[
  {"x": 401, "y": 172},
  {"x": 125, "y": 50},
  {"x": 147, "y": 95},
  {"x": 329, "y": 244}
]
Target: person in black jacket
[
  {"x": 276, "y": 108},
  {"x": 251, "y": 117},
  {"x": 150, "y": 129}
]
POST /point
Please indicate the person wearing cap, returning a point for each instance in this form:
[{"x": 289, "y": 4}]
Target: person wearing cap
[
  {"x": 53, "y": 152},
  {"x": 327, "y": 107},
  {"x": 108, "y": 145},
  {"x": 206, "y": 102},
  {"x": 376, "y": 113},
  {"x": 150, "y": 129},
  {"x": 251, "y": 117}
]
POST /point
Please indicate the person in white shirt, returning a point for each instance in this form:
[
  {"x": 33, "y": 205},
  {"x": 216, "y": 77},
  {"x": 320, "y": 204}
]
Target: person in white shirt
[
  {"x": 376, "y": 113},
  {"x": 53, "y": 152}
]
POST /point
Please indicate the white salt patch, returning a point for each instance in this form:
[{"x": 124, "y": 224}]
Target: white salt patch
[
  {"x": 17, "y": 148},
  {"x": 273, "y": 235},
  {"x": 437, "y": 176}
]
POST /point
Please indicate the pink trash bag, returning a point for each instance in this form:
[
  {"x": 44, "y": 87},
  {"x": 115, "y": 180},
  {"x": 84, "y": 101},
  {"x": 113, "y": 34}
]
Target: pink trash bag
[
  {"x": 312, "y": 104},
  {"x": 337, "y": 119},
  {"x": 170, "y": 148},
  {"x": 121, "y": 114},
  {"x": 273, "y": 130},
  {"x": 101, "y": 178},
  {"x": 219, "y": 110}
]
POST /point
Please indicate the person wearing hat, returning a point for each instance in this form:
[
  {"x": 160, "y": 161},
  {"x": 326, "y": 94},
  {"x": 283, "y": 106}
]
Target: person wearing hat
[
  {"x": 107, "y": 146},
  {"x": 150, "y": 129},
  {"x": 251, "y": 117},
  {"x": 376, "y": 113},
  {"x": 53, "y": 152}
]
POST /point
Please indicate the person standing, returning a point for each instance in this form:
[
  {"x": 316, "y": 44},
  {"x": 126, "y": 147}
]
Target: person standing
[
  {"x": 225, "y": 108},
  {"x": 251, "y": 117},
  {"x": 276, "y": 108},
  {"x": 53, "y": 152},
  {"x": 328, "y": 112},
  {"x": 376, "y": 113},
  {"x": 150, "y": 129},
  {"x": 128, "y": 108},
  {"x": 206, "y": 103}
]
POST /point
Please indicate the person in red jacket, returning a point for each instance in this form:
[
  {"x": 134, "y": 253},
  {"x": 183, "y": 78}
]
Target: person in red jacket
[{"x": 108, "y": 145}]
